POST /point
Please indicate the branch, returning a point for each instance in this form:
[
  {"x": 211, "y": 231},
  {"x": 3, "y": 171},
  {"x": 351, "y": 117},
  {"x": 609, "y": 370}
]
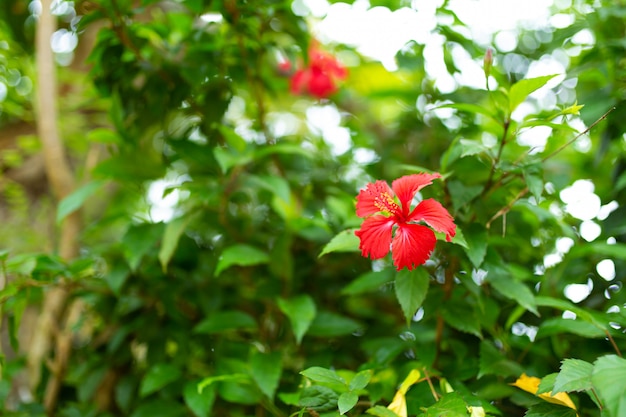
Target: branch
[{"x": 61, "y": 180}]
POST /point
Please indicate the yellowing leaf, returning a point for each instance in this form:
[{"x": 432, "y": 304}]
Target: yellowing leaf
[
  {"x": 398, "y": 405},
  {"x": 531, "y": 384},
  {"x": 476, "y": 411}
]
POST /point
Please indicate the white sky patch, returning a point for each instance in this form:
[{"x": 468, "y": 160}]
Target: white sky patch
[
  {"x": 535, "y": 137},
  {"x": 606, "y": 269},
  {"x": 162, "y": 207},
  {"x": 486, "y": 17},
  {"x": 578, "y": 292},
  {"x": 607, "y": 209},
  {"x": 580, "y": 200},
  {"x": 325, "y": 121},
  {"x": 590, "y": 230}
]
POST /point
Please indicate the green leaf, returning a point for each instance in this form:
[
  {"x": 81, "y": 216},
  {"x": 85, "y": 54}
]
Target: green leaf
[
  {"x": 75, "y": 200},
  {"x": 266, "y": 369},
  {"x": 609, "y": 374},
  {"x": 462, "y": 317},
  {"x": 547, "y": 384},
  {"x": 318, "y": 398},
  {"x": 301, "y": 312},
  {"x": 476, "y": 244},
  {"x": 327, "y": 324},
  {"x": 471, "y": 108},
  {"x": 240, "y": 255},
  {"x": 380, "y": 411},
  {"x": 227, "y": 158},
  {"x": 514, "y": 290},
  {"x": 369, "y": 282},
  {"x": 361, "y": 380},
  {"x": 225, "y": 320},
  {"x": 102, "y": 135},
  {"x": 493, "y": 362},
  {"x": 323, "y": 375},
  {"x": 173, "y": 231},
  {"x": 523, "y": 88},
  {"x": 411, "y": 288},
  {"x": 157, "y": 377},
  {"x": 449, "y": 405},
  {"x": 200, "y": 403},
  {"x": 472, "y": 147},
  {"x": 545, "y": 409},
  {"x": 276, "y": 185},
  {"x": 139, "y": 240},
  {"x": 345, "y": 241},
  {"x": 575, "y": 375},
  {"x": 208, "y": 382},
  {"x": 559, "y": 325},
  {"x": 161, "y": 408},
  {"x": 533, "y": 176},
  {"x": 347, "y": 401}
]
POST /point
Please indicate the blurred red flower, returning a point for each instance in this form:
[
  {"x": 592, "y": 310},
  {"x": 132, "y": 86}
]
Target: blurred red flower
[
  {"x": 320, "y": 77},
  {"x": 413, "y": 243}
]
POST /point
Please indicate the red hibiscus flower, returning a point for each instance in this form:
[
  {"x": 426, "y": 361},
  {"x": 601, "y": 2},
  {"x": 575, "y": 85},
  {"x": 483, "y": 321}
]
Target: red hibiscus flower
[
  {"x": 412, "y": 243},
  {"x": 320, "y": 77}
]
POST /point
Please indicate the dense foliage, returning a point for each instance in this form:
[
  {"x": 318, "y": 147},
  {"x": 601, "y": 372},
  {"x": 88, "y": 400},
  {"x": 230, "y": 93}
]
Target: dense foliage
[{"x": 219, "y": 149}]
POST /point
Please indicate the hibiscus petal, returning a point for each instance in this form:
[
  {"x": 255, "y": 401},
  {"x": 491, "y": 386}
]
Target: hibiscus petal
[
  {"x": 406, "y": 187},
  {"x": 374, "y": 198},
  {"x": 412, "y": 245},
  {"x": 436, "y": 216},
  {"x": 300, "y": 80},
  {"x": 375, "y": 235}
]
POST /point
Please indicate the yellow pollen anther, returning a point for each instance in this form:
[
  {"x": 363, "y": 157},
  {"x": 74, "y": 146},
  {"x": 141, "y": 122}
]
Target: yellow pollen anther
[{"x": 384, "y": 202}]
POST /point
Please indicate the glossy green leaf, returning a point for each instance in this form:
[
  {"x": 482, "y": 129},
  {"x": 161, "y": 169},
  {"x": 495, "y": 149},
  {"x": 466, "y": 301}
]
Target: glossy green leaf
[
  {"x": 369, "y": 282},
  {"x": 609, "y": 374},
  {"x": 558, "y": 325},
  {"x": 345, "y": 241},
  {"x": 139, "y": 240},
  {"x": 75, "y": 200},
  {"x": 161, "y": 408},
  {"x": 476, "y": 236},
  {"x": 494, "y": 362},
  {"x": 323, "y": 375},
  {"x": 462, "y": 317},
  {"x": 513, "y": 289},
  {"x": 173, "y": 231},
  {"x": 318, "y": 398},
  {"x": 411, "y": 289},
  {"x": 200, "y": 403},
  {"x": 380, "y": 411},
  {"x": 575, "y": 375},
  {"x": 523, "y": 88},
  {"x": 347, "y": 401},
  {"x": 240, "y": 255},
  {"x": 266, "y": 369},
  {"x": 361, "y": 380},
  {"x": 450, "y": 404},
  {"x": 157, "y": 377},
  {"x": 327, "y": 324},
  {"x": 545, "y": 409},
  {"x": 301, "y": 312},
  {"x": 225, "y": 320}
]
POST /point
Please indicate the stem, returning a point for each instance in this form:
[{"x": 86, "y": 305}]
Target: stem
[
  {"x": 584, "y": 132},
  {"x": 507, "y": 124},
  {"x": 508, "y": 207},
  {"x": 608, "y": 334},
  {"x": 430, "y": 384}
]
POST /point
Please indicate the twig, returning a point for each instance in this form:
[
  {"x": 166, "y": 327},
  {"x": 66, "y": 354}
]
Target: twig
[
  {"x": 608, "y": 335},
  {"x": 508, "y": 207},
  {"x": 584, "y": 132}
]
